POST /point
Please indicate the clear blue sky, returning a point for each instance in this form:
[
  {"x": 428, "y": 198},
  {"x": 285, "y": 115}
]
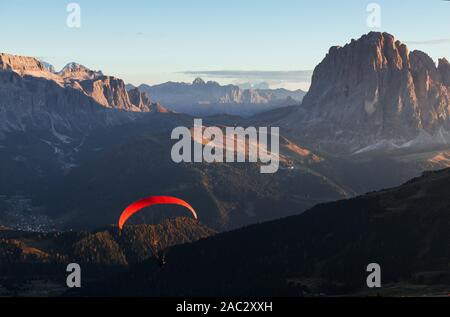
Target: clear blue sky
[{"x": 153, "y": 41}]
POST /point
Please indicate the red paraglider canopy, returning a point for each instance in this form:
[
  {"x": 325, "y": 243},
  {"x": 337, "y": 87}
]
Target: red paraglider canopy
[{"x": 151, "y": 201}]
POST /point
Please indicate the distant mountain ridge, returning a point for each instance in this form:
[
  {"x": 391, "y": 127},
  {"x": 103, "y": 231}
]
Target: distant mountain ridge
[{"x": 210, "y": 98}]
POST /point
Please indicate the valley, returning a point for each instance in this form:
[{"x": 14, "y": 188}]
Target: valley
[{"x": 323, "y": 252}]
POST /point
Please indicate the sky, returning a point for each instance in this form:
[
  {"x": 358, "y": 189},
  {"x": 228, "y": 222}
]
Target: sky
[{"x": 231, "y": 41}]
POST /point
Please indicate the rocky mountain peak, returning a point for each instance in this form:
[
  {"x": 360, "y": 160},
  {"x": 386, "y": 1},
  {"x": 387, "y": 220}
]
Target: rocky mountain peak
[
  {"x": 49, "y": 67},
  {"x": 140, "y": 99},
  {"x": 372, "y": 91},
  {"x": 198, "y": 81},
  {"x": 75, "y": 71}
]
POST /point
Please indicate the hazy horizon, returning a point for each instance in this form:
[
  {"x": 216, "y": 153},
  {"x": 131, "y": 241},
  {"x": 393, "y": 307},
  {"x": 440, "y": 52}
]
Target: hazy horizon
[{"x": 256, "y": 41}]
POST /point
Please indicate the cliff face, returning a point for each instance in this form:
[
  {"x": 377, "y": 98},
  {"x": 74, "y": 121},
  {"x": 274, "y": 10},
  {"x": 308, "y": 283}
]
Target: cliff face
[
  {"x": 26, "y": 66},
  {"x": 144, "y": 102},
  {"x": 373, "y": 91},
  {"x": 110, "y": 92},
  {"x": 32, "y": 95},
  {"x": 444, "y": 70},
  {"x": 20, "y": 64},
  {"x": 29, "y": 102}
]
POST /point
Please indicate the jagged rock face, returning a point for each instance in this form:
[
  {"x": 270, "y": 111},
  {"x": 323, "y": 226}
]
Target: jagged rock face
[
  {"x": 371, "y": 91},
  {"x": 143, "y": 101},
  {"x": 26, "y": 66},
  {"x": 140, "y": 99},
  {"x": 20, "y": 64},
  {"x": 76, "y": 98},
  {"x": 444, "y": 70},
  {"x": 432, "y": 92},
  {"x": 77, "y": 72},
  {"x": 110, "y": 92},
  {"x": 107, "y": 91},
  {"x": 29, "y": 102}
]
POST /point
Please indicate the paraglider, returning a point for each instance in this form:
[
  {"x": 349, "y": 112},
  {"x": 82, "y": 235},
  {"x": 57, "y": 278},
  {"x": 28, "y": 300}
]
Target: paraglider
[{"x": 148, "y": 202}]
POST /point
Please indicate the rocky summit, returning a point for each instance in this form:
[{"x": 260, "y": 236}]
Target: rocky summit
[{"x": 374, "y": 93}]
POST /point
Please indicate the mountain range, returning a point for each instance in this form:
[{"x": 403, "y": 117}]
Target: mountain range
[
  {"x": 210, "y": 98},
  {"x": 77, "y": 146},
  {"x": 372, "y": 94},
  {"x": 57, "y": 129},
  {"x": 71, "y": 101},
  {"x": 61, "y": 128}
]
